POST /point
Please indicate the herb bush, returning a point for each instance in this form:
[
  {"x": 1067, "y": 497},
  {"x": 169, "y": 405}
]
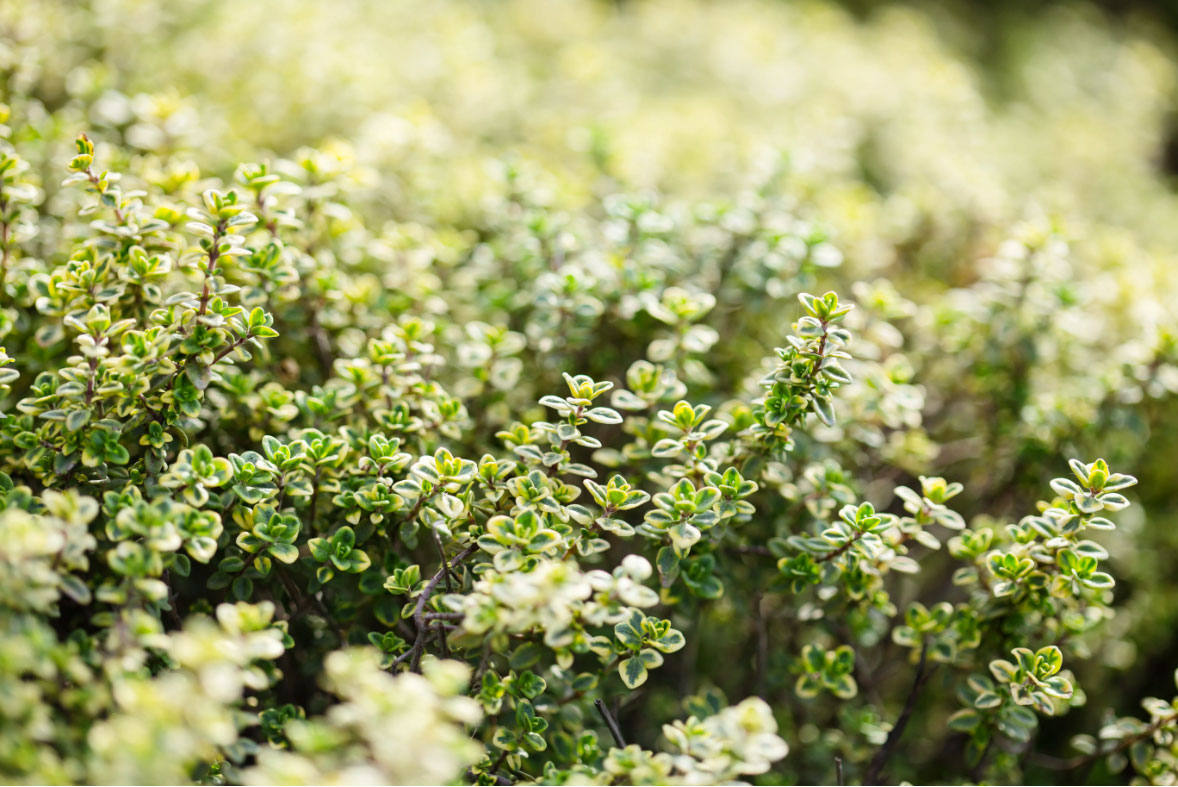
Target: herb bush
[{"x": 406, "y": 393}]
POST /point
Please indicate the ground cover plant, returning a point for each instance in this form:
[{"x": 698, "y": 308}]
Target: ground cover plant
[{"x": 654, "y": 393}]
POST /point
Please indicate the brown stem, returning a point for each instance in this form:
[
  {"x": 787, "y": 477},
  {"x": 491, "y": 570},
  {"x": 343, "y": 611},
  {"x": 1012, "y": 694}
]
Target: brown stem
[
  {"x": 94, "y": 180},
  {"x": 445, "y": 563},
  {"x": 761, "y": 629},
  {"x": 421, "y": 501},
  {"x": 610, "y": 723},
  {"x": 1058, "y": 764},
  {"x": 299, "y": 600},
  {"x": 211, "y": 267},
  {"x": 419, "y": 620},
  {"x": 881, "y": 757},
  {"x": 173, "y": 609},
  {"x": 592, "y": 527},
  {"x": 236, "y": 343},
  {"x": 831, "y": 555},
  {"x": 90, "y": 380},
  {"x": 564, "y": 444}
]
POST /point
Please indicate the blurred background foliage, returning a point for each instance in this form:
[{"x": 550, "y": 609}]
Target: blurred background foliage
[{"x": 917, "y": 138}]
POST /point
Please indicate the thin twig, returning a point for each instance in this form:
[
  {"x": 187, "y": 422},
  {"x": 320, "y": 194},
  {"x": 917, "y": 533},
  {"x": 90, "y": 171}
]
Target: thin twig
[
  {"x": 564, "y": 444},
  {"x": 173, "y": 608},
  {"x": 292, "y": 590},
  {"x": 1059, "y": 764},
  {"x": 494, "y": 771},
  {"x": 419, "y": 611},
  {"x": 484, "y": 663},
  {"x": 838, "y": 771},
  {"x": 445, "y": 649},
  {"x": 881, "y": 757},
  {"x": 473, "y": 778},
  {"x": 979, "y": 768},
  {"x": 761, "y": 628},
  {"x": 445, "y": 563},
  {"x": 610, "y": 723}
]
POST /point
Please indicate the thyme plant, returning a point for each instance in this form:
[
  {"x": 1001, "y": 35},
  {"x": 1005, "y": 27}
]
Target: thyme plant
[{"x": 309, "y": 475}]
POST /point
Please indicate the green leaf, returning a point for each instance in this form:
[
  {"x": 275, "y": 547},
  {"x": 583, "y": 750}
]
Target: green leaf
[
  {"x": 344, "y": 538},
  {"x": 668, "y": 566},
  {"x": 963, "y": 720},
  {"x": 243, "y": 588},
  {"x": 77, "y": 419},
  {"x": 75, "y": 588},
  {"x": 824, "y": 409},
  {"x": 843, "y": 686},
  {"x": 669, "y": 642},
  {"x": 986, "y": 700},
  {"x": 287, "y": 553},
  {"x": 628, "y": 635},
  {"x": 807, "y": 687},
  {"x": 633, "y": 672},
  {"x": 526, "y": 655},
  {"x": 1099, "y": 579}
]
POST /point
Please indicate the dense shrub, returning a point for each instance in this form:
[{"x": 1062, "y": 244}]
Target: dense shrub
[{"x": 522, "y": 436}]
